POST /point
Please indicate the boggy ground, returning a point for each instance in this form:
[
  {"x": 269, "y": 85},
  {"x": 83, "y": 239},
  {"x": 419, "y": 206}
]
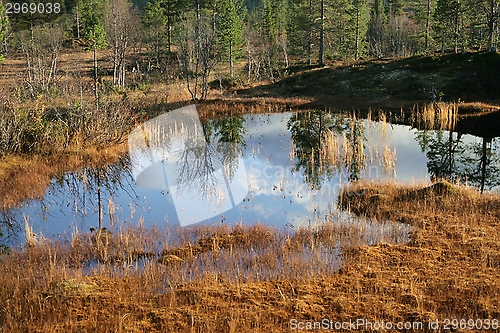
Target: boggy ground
[{"x": 257, "y": 279}]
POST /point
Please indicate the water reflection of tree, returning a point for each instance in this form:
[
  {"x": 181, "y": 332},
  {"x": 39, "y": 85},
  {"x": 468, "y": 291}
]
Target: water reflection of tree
[
  {"x": 482, "y": 165},
  {"x": 9, "y": 227},
  {"x": 310, "y": 132},
  {"x": 225, "y": 142},
  {"x": 226, "y": 136},
  {"x": 93, "y": 183},
  {"x": 79, "y": 189},
  {"x": 441, "y": 153},
  {"x": 448, "y": 157}
]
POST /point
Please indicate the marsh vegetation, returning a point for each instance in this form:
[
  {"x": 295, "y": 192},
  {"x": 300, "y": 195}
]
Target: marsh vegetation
[
  {"x": 371, "y": 183},
  {"x": 257, "y": 278}
]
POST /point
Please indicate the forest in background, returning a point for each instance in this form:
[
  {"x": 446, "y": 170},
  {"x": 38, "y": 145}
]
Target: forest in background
[{"x": 234, "y": 40}]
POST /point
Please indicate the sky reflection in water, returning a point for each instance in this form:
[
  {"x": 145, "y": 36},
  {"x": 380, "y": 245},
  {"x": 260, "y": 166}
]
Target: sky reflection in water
[{"x": 278, "y": 195}]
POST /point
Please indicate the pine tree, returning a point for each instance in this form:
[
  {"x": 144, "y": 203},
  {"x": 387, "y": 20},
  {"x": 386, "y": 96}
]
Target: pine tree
[
  {"x": 301, "y": 28},
  {"x": 377, "y": 29},
  {"x": 172, "y": 10},
  {"x": 345, "y": 27},
  {"x": 428, "y": 20},
  {"x": 269, "y": 24},
  {"x": 359, "y": 19},
  {"x": 447, "y": 26},
  {"x": 77, "y": 12},
  {"x": 155, "y": 20},
  {"x": 273, "y": 26},
  {"x": 94, "y": 33},
  {"x": 397, "y": 28},
  {"x": 92, "y": 23},
  {"x": 487, "y": 20},
  {"x": 395, "y": 7},
  {"x": 229, "y": 30},
  {"x": 321, "y": 33},
  {"x": 423, "y": 12},
  {"x": 27, "y": 20}
]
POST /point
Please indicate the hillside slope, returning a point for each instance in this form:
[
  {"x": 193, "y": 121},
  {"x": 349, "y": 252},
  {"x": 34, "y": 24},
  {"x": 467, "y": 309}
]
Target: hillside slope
[{"x": 471, "y": 77}]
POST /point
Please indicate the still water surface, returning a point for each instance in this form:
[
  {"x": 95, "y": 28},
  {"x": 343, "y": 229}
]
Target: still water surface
[{"x": 293, "y": 180}]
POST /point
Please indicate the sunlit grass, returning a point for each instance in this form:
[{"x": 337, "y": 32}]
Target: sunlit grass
[{"x": 257, "y": 278}]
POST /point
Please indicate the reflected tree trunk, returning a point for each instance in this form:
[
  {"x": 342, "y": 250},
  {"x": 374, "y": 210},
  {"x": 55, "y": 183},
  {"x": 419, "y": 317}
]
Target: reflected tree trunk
[
  {"x": 483, "y": 164},
  {"x": 99, "y": 201}
]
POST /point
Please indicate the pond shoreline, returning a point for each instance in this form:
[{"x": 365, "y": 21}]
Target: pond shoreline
[
  {"x": 24, "y": 178},
  {"x": 16, "y": 171}
]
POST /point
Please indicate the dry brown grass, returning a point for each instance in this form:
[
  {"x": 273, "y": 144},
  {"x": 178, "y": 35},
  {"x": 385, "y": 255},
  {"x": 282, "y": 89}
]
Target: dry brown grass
[
  {"x": 211, "y": 109},
  {"x": 240, "y": 279},
  {"x": 348, "y": 151},
  {"x": 477, "y": 109}
]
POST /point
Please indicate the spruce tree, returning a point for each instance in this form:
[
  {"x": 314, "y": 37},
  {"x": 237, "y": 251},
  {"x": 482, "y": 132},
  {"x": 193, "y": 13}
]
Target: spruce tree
[
  {"x": 94, "y": 33},
  {"x": 154, "y": 18},
  {"x": 229, "y": 31}
]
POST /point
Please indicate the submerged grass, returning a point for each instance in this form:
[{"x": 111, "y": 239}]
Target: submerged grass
[{"x": 235, "y": 279}]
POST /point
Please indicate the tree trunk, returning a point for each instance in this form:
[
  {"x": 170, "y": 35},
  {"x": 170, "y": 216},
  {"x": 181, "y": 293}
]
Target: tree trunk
[
  {"x": 428, "y": 25},
  {"x": 123, "y": 64},
  {"x": 77, "y": 22},
  {"x": 169, "y": 38},
  {"x": 231, "y": 64},
  {"x": 115, "y": 64},
  {"x": 322, "y": 35},
  {"x": 198, "y": 48},
  {"x": 457, "y": 31},
  {"x": 285, "y": 51},
  {"x": 169, "y": 26},
  {"x": 356, "y": 56},
  {"x": 483, "y": 165},
  {"x": 249, "y": 61},
  {"x": 491, "y": 24},
  {"x": 99, "y": 201},
  {"x": 310, "y": 41},
  {"x": 96, "y": 94},
  {"x": 157, "y": 49}
]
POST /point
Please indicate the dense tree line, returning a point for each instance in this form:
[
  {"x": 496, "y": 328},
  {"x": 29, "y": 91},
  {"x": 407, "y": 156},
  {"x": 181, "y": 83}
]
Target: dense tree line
[{"x": 251, "y": 40}]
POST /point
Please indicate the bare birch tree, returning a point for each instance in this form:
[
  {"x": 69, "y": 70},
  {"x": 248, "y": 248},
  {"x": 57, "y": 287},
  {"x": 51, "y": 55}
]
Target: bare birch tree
[
  {"x": 41, "y": 46},
  {"x": 119, "y": 25}
]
